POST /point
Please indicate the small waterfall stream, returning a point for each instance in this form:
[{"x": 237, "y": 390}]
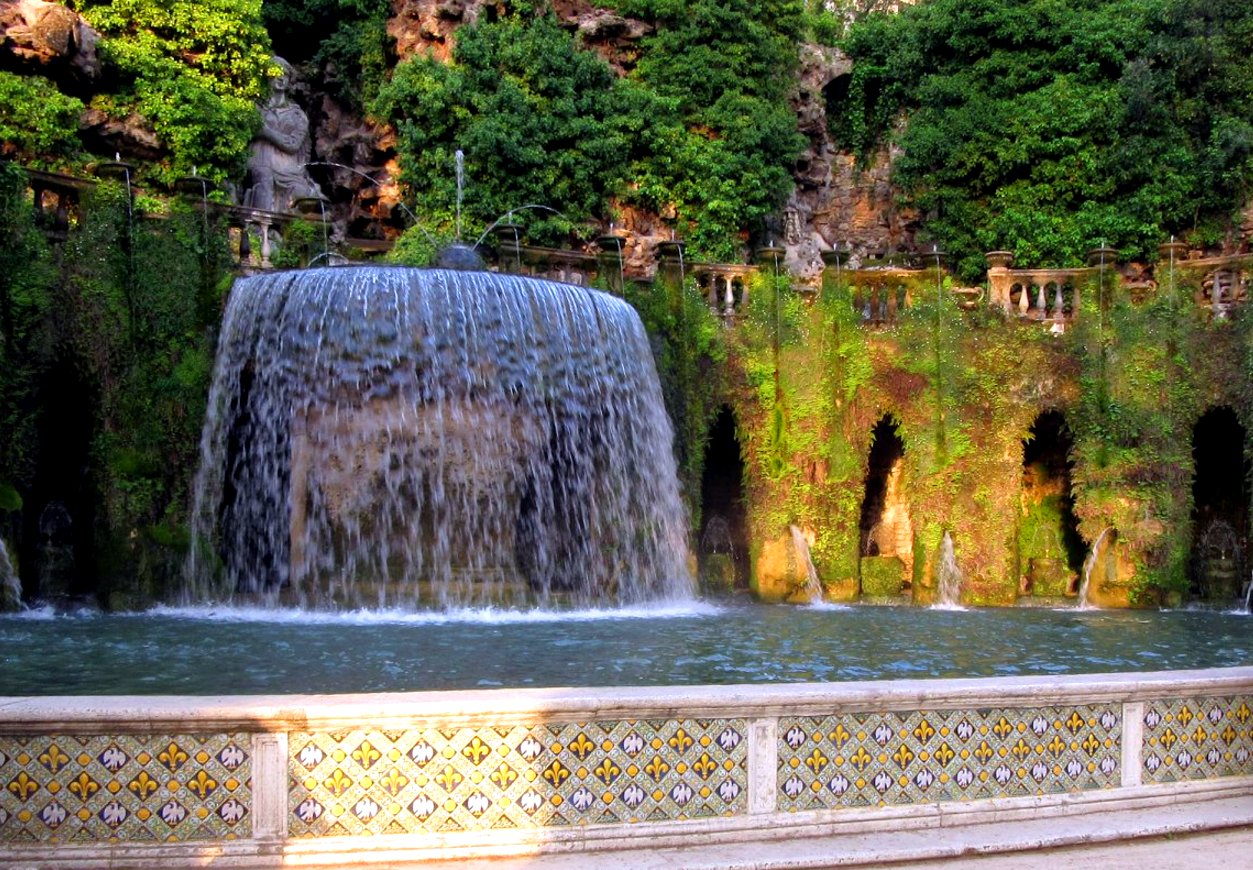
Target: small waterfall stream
[
  {"x": 390, "y": 437},
  {"x": 948, "y": 575},
  {"x": 813, "y": 586},
  {"x": 1089, "y": 564},
  {"x": 10, "y": 583}
]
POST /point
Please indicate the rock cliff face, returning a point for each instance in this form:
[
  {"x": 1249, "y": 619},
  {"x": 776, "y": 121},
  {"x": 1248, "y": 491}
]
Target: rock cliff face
[
  {"x": 49, "y": 39},
  {"x": 837, "y": 202}
]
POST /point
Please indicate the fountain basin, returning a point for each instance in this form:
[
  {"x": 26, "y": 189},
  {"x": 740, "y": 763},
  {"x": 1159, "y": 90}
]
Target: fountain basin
[{"x": 366, "y": 779}]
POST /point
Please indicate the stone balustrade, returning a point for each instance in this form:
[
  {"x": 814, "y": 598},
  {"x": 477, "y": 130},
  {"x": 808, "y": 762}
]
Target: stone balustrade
[{"x": 367, "y": 779}]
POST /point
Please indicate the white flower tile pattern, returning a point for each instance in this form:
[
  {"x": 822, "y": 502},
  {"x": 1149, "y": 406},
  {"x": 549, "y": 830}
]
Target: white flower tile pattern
[
  {"x": 525, "y": 776},
  {"x": 878, "y": 759},
  {"x": 172, "y": 787},
  {"x": 1197, "y": 738}
]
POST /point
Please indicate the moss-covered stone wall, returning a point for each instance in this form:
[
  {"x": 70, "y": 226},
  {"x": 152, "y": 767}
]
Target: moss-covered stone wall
[{"x": 809, "y": 375}]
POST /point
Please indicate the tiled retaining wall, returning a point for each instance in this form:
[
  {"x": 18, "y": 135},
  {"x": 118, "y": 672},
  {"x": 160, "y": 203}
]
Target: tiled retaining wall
[{"x": 258, "y": 776}]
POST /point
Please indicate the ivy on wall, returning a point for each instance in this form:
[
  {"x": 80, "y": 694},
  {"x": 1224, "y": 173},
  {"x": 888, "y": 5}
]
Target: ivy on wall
[{"x": 809, "y": 382}]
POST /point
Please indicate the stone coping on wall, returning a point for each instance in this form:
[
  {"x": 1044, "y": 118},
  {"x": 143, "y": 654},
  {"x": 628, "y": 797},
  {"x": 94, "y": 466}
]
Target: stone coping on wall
[
  {"x": 142, "y": 713},
  {"x": 258, "y": 781}
]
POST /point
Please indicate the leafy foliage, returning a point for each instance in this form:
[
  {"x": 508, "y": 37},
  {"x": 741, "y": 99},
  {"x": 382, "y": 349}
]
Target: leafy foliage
[
  {"x": 194, "y": 70},
  {"x": 1045, "y": 128},
  {"x": 38, "y": 124},
  {"x": 344, "y": 42},
  {"x": 539, "y": 120},
  {"x": 724, "y": 138},
  {"x": 25, "y": 281}
]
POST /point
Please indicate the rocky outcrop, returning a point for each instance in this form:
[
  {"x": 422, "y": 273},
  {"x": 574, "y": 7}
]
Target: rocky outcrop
[
  {"x": 837, "y": 200},
  {"x": 427, "y": 26},
  {"x": 49, "y": 39}
]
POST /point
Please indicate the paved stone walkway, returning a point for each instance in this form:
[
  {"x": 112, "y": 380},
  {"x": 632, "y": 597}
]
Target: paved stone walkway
[{"x": 1209, "y": 835}]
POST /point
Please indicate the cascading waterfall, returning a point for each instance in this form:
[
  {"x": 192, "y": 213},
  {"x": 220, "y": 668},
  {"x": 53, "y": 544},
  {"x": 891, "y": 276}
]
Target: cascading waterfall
[
  {"x": 1089, "y": 564},
  {"x": 948, "y": 575},
  {"x": 10, "y": 584},
  {"x": 813, "y": 586},
  {"x": 390, "y": 437}
]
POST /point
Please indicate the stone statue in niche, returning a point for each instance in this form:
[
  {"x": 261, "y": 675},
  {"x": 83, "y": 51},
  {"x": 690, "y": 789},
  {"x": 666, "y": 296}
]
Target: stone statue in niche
[{"x": 280, "y": 153}]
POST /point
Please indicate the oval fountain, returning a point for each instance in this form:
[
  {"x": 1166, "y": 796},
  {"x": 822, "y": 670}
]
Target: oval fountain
[{"x": 390, "y": 437}]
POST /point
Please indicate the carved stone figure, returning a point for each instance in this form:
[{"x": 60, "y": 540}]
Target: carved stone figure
[{"x": 279, "y": 154}]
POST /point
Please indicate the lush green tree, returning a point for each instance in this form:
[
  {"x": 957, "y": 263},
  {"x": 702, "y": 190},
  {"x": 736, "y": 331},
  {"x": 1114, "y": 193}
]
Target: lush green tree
[
  {"x": 540, "y": 121},
  {"x": 193, "y": 70},
  {"x": 38, "y": 124},
  {"x": 25, "y": 280},
  {"x": 1045, "y": 128},
  {"x": 344, "y": 43},
  {"x": 723, "y": 150}
]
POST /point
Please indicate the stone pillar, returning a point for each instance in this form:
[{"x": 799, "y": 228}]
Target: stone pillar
[{"x": 1000, "y": 281}]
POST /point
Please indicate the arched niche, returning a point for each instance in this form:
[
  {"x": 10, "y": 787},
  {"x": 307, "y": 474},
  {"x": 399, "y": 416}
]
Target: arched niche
[
  {"x": 1220, "y": 506},
  {"x": 722, "y": 547},
  {"x": 1049, "y": 549},
  {"x": 886, "y": 533}
]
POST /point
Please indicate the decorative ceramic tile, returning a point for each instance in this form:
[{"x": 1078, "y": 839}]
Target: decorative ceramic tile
[
  {"x": 1197, "y": 738},
  {"x": 132, "y": 788},
  {"x": 875, "y": 759},
  {"x": 524, "y": 776}
]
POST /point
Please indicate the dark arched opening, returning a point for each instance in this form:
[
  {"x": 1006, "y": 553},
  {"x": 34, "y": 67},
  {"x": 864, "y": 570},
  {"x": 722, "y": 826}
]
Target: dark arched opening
[
  {"x": 723, "y": 543},
  {"x": 1050, "y": 551},
  {"x": 886, "y": 531},
  {"x": 1220, "y": 505}
]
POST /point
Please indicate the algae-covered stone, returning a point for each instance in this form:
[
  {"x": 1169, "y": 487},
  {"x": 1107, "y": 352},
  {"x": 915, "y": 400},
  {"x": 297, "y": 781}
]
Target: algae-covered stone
[{"x": 882, "y": 576}]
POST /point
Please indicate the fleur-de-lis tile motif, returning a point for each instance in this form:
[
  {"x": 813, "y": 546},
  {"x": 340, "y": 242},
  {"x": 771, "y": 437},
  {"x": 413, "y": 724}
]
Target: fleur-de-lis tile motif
[
  {"x": 365, "y": 755},
  {"x": 657, "y": 768},
  {"x": 394, "y": 782},
  {"x": 581, "y": 746},
  {"x": 23, "y": 786},
  {"x": 337, "y": 783},
  {"x": 202, "y": 784},
  {"x": 607, "y": 771},
  {"x": 924, "y": 731},
  {"x": 504, "y": 776},
  {"x": 53, "y": 758},
  {"x": 681, "y": 741},
  {"x": 450, "y": 778},
  {"x": 704, "y": 766},
  {"x": 172, "y": 757},
  {"x": 84, "y": 786},
  {"x": 476, "y": 750},
  {"x": 556, "y": 773},
  {"x": 143, "y": 785}
]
